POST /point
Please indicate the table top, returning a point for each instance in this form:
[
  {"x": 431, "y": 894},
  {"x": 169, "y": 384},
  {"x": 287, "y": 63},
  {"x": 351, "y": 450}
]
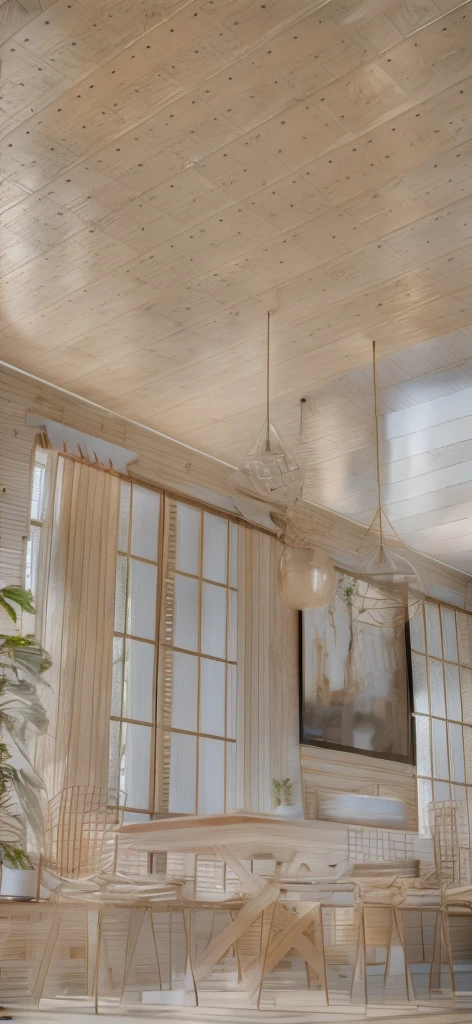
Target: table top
[{"x": 247, "y": 835}]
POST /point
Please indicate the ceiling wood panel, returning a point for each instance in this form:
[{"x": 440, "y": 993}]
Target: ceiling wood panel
[{"x": 170, "y": 169}]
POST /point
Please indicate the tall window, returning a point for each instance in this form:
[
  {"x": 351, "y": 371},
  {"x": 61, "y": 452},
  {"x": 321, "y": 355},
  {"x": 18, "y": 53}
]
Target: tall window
[
  {"x": 38, "y": 505},
  {"x": 133, "y": 711},
  {"x": 441, "y": 642},
  {"x": 198, "y": 664},
  {"x": 173, "y": 743}
]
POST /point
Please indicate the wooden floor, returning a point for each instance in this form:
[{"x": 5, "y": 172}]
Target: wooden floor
[{"x": 207, "y": 1015}]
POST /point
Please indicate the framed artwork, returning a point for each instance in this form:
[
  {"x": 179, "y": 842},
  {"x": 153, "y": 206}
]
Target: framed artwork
[{"x": 355, "y": 677}]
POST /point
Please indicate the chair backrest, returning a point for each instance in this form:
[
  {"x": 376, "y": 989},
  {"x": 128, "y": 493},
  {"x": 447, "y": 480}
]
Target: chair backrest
[
  {"x": 379, "y": 845},
  {"x": 80, "y": 826},
  {"x": 449, "y": 828}
]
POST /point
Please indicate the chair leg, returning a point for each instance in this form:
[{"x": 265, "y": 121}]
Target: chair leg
[
  {"x": 189, "y": 966},
  {"x": 48, "y": 954},
  {"x": 97, "y": 959},
  {"x": 92, "y": 923},
  {"x": 132, "y": 943}
]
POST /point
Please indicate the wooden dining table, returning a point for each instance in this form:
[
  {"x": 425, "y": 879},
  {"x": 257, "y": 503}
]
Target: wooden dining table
[
  {"x": 241, "y": 836},
  {"x": 238, "y": 839}
]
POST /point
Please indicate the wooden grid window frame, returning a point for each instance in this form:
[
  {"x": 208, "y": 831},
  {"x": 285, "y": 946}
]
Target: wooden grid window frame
[
  {"x": 147, "y": 735},
  {"x": 441, "y": 653},
  {"x": 135, "y": 647},
  {"x": 198, "y": 736}
]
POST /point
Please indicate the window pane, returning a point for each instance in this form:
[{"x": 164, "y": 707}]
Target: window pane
[
  {"x": 233, "y": 626},
  {"x": 420, "y": 683},
  {"x": 453, "y": 693},
  {"x": 142, "y": 599},
  {"x": 423, "y": 749},
  {"x": 117, "y": 679},
  {"x": 145, "y": 523},
  {"x": 135, "y": 764},
  {"x": 233, "y": 549},
  {"x": 32, "y": 560},
  {"x": 186, "y": 613},
  {"x": 231, "y": 701},
  {"x": 113, "y": 757},
  {"x": 184, "y": 669},
  {"x": 215, "y": 548},
  {"x": 467, "y": 737},
  {"x": 120, "y": 593},
  {"x": 417, "y": 639},
  {"x": 183, "y": 770},
  {"x": 456, "y": 752},
  {"x": 211, "y": 776},
  {"x": 466, "y": 692},
  {"x": 135, "y": 817},
  {"x": 439, "y": 745},
  {"x": 38, "y": 492},
  {"x": 425, "y": 796},
  {"x": 449, "y": 634},
  {"x": 123, "y": 519},
  {"x": 441, "y": 791},
  {"x": 212, "y": 697},
  {"x": 230, "y": 776},
  {"x": 436, "y": 682},
  {"x": 139, "y": 681},
  {"x": 433, "y": 630},
  {"x": 188, "y": 539},
  {"x": 464, "y": 637},
  {"x": 459, "y": 794},
  {"x": 213, "y": 620}
]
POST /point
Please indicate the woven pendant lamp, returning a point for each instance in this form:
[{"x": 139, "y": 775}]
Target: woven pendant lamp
[
  {"x": 389, "y": 587},
  {"x": 268, "y": 471},
  {"x": 270, "y": 474}
]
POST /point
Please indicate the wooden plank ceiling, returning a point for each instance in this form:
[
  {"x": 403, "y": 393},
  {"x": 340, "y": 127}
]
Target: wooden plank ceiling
[{"x": 172, "y": 168}]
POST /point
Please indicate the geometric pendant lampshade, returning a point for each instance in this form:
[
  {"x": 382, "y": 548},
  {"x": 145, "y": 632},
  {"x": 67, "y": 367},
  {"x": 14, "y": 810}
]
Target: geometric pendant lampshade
[
  {"x": 268, "y": 472},
  {"x": 390, "y": 588},
  {"x": 270, "y": 475},
  {"x": 393, "y": 588}
]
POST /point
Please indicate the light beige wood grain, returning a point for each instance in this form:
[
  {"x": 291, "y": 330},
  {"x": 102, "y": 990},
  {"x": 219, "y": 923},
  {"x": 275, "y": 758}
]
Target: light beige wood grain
[
  {"x": 343, "y": 772},
  {"x": 213, "y": 153}
]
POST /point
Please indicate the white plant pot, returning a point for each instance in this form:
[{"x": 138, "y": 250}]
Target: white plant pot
[
  {"x": 18, "y": 884},
  {"x": 289, "y": 811}
]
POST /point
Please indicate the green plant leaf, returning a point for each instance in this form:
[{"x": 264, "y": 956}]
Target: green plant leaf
[
  {"x": 24, "y": 652},
  {"x": 12, "y": 829},
  {"x": 25, "y": 788},
  {"x": 22, "y": 664},
  {"x": 15, "y": 858},
  {"x": 23, "y": 598},
  {"x": 7, "y": 607}
]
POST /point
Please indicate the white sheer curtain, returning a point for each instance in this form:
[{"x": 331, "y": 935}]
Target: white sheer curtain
[{"x": 78, "y": 625}]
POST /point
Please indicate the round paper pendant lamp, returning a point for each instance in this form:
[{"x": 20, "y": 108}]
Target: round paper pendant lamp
[{"x": 307, "y": 578}]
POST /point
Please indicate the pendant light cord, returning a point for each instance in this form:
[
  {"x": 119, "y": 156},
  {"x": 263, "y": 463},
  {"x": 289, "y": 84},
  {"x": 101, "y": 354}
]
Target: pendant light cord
[
  {"x": 268, "y": 383},
  {"x": 377, "y": 449}
]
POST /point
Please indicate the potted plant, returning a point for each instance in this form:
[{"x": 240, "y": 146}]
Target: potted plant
[
  {"x": 283, "y": 799},
  {"x": 22, "y": 664},
  {"x": 18, "y": 873}
]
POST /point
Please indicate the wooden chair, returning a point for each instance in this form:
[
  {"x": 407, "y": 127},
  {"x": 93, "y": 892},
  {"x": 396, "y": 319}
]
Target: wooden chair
[
  {"x": 79, "y": 835},
  {"x": 452, "y": 857},
  {"x": 80, "y": 866},
  {"x": 451, "y": 842}
]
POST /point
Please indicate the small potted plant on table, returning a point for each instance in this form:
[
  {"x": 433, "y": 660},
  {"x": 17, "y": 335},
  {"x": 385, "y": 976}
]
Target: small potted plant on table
[{"x": 283, "y": 799}]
